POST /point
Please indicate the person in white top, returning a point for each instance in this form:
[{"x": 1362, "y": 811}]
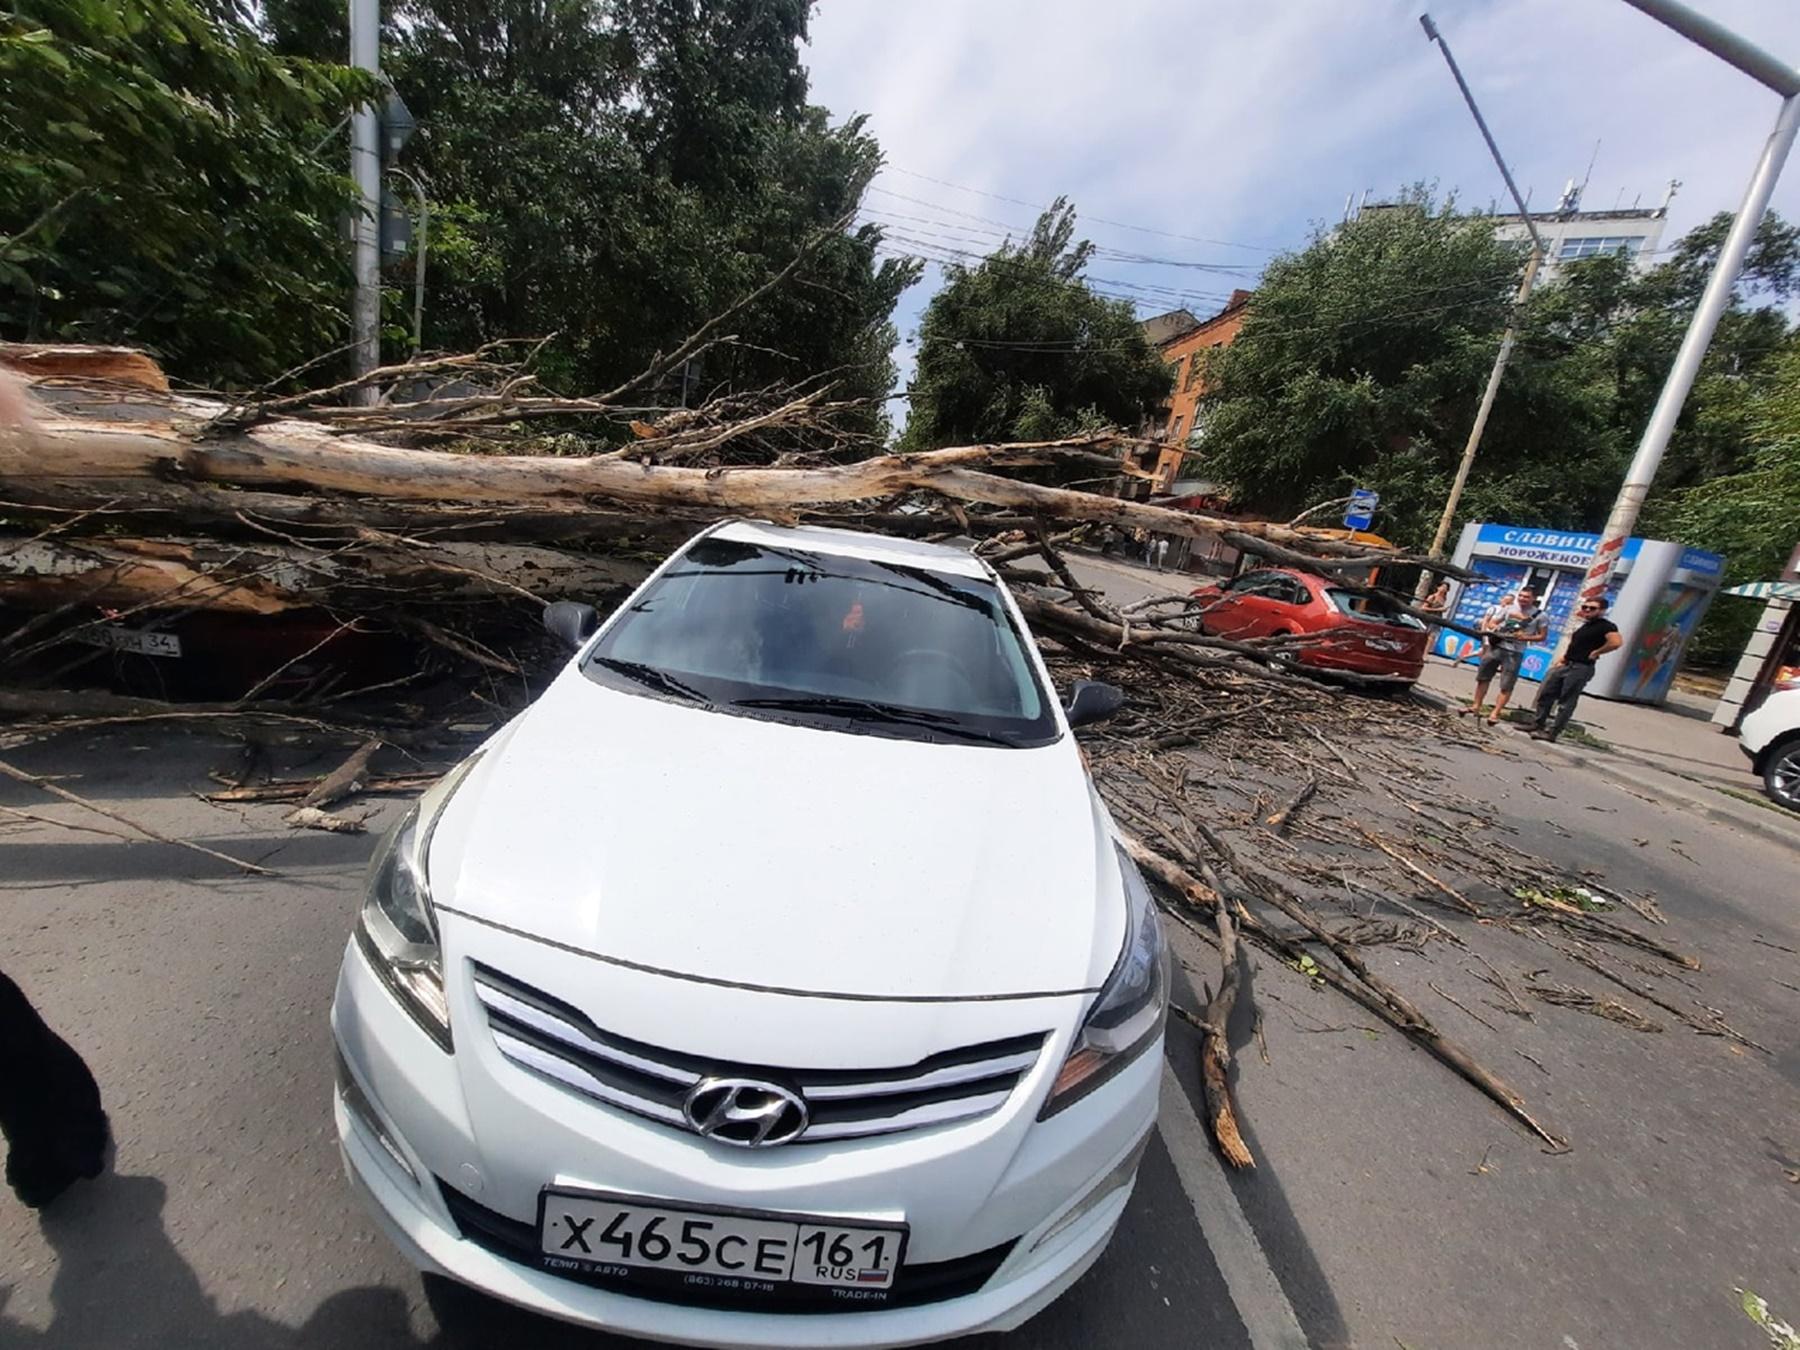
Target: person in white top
[{"x": 1510, "y": 630}]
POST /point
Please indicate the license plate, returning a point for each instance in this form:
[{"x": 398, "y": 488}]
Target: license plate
[
  {"x": 725, "y": 1249},
  {"x": 139, "y": 640}
]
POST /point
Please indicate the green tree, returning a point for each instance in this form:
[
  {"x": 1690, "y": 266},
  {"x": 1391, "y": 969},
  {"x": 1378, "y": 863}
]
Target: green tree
[
  {"x": 1751, "y": 515},
  {"x": 1360, "y": 363},
  {"x": 163, "y": 181},
  {"x": 617, "y": 172},
  {"x": 1018, "y": 347},
  {"x": 1617, "y": 330},
  {"x": 1365, "y": 354}
]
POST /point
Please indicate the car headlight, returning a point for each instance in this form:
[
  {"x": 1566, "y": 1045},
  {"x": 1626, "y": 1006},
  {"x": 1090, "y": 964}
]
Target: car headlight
[
  {"x": 396, "y": 928},
  {"x": 1129, "y": 1011}
]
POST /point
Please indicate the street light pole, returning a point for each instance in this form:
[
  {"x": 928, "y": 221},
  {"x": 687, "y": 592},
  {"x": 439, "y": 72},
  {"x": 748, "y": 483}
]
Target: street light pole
[
  {"x": 420, "y": 240},
  {"x": 1784, "y": 80},
  {"x": 365, "y": 168},
  {"x": 1512, "y": 320}
]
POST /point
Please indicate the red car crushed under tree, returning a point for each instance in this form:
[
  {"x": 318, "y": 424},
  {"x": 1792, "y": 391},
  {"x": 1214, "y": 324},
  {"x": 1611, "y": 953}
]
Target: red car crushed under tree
[{"x": 1346, "y": 633}]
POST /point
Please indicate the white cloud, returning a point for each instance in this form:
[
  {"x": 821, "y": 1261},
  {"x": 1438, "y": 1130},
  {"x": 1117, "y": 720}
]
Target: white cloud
[{"x": 1245, "y": 120}]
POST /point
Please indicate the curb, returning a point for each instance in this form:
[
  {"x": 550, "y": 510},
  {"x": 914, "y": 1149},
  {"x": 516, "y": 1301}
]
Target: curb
[{"x": 1745, "y": 817}]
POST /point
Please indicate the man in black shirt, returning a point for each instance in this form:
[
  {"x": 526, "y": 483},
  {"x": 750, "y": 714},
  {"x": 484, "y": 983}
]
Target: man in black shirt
[{"x": 1565, "y": 680}]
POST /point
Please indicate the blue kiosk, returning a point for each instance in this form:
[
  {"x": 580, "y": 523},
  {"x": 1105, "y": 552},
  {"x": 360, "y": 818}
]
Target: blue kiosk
[{"x": 1659, "y": 593}]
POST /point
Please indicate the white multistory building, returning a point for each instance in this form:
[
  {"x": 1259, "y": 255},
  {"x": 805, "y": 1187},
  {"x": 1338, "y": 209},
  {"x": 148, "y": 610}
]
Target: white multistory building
[{"x": 1569, "y": 233}]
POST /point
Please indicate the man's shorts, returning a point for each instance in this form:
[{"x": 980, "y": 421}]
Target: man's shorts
[{"x": 1506, "y": 664}]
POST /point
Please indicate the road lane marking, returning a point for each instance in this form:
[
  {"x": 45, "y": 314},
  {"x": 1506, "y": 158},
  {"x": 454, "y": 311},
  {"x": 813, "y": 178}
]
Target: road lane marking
[{"x": 1262, "y": 1305}]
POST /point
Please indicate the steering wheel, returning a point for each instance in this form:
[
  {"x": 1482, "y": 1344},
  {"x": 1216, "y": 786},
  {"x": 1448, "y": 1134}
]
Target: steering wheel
[{"x": 943, "y": 661}]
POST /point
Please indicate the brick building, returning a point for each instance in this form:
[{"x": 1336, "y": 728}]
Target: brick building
[{"x": 1182, "y": 341}]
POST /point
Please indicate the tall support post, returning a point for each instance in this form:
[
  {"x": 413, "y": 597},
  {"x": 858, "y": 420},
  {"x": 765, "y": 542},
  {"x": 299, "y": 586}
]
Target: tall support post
[
  {"x": 365, "y": 169},
  {"x": 1507, "y": 338}
]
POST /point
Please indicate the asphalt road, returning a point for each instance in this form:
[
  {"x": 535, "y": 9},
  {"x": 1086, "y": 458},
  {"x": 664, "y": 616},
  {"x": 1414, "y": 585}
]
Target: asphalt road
[
  {"x": 200, "y": 999},
  {"x": 1391, "y": 1205}
]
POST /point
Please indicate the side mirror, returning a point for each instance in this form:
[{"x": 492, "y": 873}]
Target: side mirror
[
  {"x": 1091, "y": 701},
  {"x": 571, "y": 621}
]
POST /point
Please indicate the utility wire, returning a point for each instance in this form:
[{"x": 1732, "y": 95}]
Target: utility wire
[{"x": 1099, "y": 220}]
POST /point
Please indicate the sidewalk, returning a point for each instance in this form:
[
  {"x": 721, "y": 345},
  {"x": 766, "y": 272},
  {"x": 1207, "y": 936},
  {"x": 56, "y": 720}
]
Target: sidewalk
[{"x": 1676, "y": 739}]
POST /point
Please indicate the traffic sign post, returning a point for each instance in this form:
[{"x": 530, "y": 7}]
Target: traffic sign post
[{"x": 1361, "y": 511}]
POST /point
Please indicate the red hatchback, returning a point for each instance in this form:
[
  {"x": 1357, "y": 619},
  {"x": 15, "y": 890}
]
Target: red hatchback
[{"x": 1353, "y": 636}]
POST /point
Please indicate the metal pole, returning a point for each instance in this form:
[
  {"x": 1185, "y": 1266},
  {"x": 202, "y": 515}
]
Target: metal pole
[
  {"x": 1724, "y": 44},
  {"x": 1693, "y": 347},
  {"x": 1481, "y": 418},
  {"x": 419, "y": 246},
  {"x": 1507, "y": 338},
  {"x": 1784, "y": 80},
  {"x": 1432, "y": 33},
  {"x": 365, "y": 168}
]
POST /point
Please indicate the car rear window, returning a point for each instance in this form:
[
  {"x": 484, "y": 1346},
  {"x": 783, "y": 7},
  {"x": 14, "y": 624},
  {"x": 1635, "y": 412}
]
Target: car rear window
[{"x": 1368, "y": 610}]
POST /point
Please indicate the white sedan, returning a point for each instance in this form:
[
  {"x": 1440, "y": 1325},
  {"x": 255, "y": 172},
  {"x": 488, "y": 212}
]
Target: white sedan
[
  {"x": 1771, "y": 737},
  {"x": 776, "y": 979}
]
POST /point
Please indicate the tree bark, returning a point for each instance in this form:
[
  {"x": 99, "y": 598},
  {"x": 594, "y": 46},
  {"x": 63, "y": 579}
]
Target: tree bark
[
  {"x": 82, "y": 463},
  {"x": 264, "y": 576},
  {"x": 1215, "y": 1049}
]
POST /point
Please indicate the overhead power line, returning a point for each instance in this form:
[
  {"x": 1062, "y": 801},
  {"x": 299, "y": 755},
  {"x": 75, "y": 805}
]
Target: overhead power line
[
  {"x": 1098, "y": 220},
  {"x": 985, "y": 225},
  {"x": 965, "y": 256}
]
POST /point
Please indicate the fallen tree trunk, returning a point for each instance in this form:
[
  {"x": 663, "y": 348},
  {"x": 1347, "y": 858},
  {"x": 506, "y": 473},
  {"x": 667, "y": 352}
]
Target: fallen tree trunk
[
  {"x": 84, "y": 463},
  {"x": 261, "y": 576}
]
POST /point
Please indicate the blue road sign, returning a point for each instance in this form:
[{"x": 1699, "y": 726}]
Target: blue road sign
[{"x": 1361, "y": 511}]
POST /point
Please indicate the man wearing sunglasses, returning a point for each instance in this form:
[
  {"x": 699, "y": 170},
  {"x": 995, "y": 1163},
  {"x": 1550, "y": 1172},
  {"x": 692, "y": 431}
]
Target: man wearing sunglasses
[{"x": 1594, "y": 638}]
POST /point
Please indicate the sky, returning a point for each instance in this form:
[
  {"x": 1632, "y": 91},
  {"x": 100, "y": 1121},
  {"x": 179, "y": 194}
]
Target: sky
[{"x": 1198, "y": 139}]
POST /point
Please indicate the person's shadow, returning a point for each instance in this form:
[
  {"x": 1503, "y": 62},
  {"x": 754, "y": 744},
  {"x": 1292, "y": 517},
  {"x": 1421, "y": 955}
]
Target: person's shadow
[{"x": 120, "y": 1284}]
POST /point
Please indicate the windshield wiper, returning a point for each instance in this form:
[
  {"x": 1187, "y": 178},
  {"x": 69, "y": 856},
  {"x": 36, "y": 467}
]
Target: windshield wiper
[
  {"x": 867, "y": 710},
  {"x": 652, "y": 678}
]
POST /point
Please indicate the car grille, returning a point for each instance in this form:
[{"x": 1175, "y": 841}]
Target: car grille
[
  {"x": 916, "y": 1283},
  {"x": 550, "y": 1038}
]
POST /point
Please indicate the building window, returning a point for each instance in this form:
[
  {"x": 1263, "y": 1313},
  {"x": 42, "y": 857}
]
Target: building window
[
  {"x": 1175, "y": 427},
  {"x": 1180, "y": 365},
  {"x": 1193, "y": 374},
  {"x": 1591, "y": 246}
]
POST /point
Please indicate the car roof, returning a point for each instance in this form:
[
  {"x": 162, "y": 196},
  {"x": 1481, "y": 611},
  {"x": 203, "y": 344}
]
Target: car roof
[
  {"x": 855, "y": 544},
  {"x": 1300, "y": 572}
]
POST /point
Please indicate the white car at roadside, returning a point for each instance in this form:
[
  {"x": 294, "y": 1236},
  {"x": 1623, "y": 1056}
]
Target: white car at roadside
[
  {"x": 776, "y": 979},
  {"x": 1771, "y": 737}
]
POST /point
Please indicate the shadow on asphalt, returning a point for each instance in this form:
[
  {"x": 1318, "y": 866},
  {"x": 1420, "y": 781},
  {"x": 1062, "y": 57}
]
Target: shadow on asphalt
[
  {"x": 1265, "y": 1204},
  {"x": 120, "y": 1283},
  {"x": 80, "y": 863},
  {"x": 1259, "y": 1194}
]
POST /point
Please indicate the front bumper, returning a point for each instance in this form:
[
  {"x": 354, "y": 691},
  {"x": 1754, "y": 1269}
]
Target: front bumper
[{"x": 449, "y": 1153}]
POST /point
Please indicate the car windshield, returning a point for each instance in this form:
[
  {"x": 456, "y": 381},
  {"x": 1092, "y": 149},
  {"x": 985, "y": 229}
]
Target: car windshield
[{"x": 824, "y": 639}]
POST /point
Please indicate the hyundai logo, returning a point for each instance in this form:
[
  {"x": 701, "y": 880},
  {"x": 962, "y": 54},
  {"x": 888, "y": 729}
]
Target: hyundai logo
[{"x": 744, "y": 1111}]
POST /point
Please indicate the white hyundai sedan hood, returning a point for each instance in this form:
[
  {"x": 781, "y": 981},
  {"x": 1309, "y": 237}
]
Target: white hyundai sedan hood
[{"x": 734, "y": 849}]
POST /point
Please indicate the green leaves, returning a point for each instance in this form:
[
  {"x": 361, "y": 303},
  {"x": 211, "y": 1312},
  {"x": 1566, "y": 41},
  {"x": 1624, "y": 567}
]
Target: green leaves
[
  {"x": 1365, "y": 354},
  {"x": 1018, "y": 347},
  {"x": 156, "y": 171},
  {"x": 618, "y": 173},
  {"x": 611, "y": 173}
]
